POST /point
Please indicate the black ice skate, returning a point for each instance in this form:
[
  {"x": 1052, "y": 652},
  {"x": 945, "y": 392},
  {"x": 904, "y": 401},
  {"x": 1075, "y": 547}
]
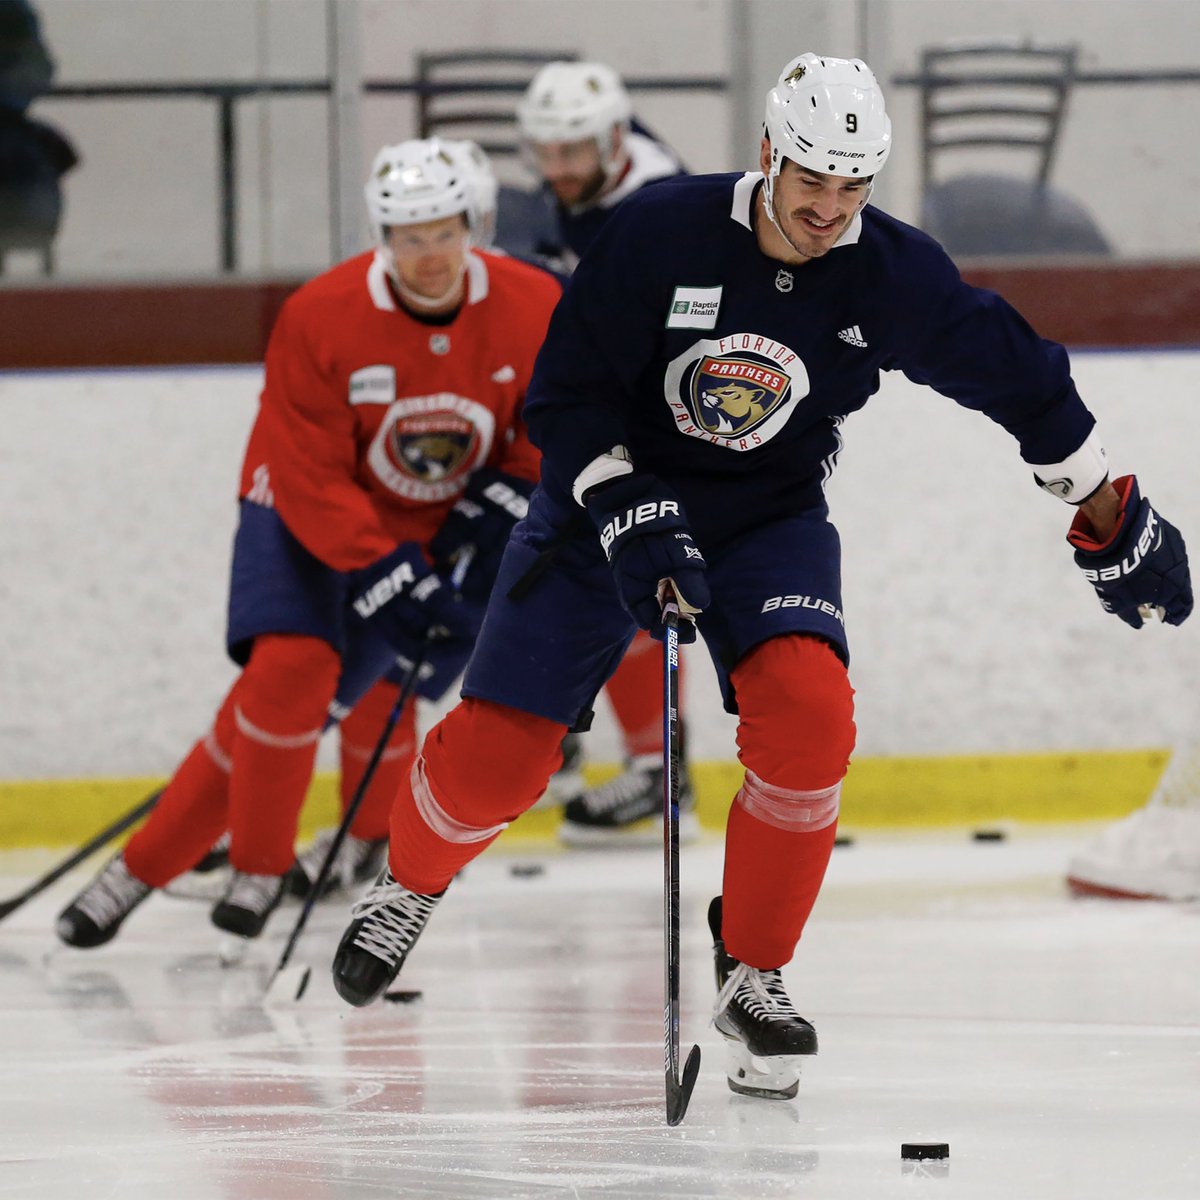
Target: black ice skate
[
  {"x": 567, "y": 782},
  {"x": 95, "y": 915},
  {"x": 764, "y": 1035},
  {"x": 386, "y": 924},
  {"x": 358, "y": 861},
  {"x": 248, "y": 901},
  {"x": 627, "y": 810}
]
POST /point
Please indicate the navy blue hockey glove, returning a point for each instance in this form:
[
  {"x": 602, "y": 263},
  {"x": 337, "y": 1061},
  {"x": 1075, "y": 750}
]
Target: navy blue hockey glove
[
  {"x": 1142, "y": 568},
  {"x": 644, "y": 532},
  {"x": 406, "y": 599},
  {"x": 492, "y": 504}
]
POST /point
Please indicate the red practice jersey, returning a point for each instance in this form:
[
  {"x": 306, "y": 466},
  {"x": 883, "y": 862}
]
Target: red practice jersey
[{"x": 370, "y": 422}]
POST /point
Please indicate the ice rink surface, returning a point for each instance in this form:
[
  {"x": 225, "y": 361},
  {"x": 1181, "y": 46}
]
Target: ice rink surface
[{"x": 959, "y": 993}]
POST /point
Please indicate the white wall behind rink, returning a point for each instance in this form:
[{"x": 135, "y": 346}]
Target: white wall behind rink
[{"x": 971, "y": 629}]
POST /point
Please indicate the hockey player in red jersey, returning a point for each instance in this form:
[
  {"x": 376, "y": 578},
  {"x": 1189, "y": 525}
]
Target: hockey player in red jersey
[
  {"x": 578, "y": 132},
  {"x": 389, "y": 438}
]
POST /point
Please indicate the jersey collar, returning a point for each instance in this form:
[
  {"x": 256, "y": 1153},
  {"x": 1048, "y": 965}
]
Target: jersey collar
[
  {"x": 381, "y": 294},
  {"x": 743, "y": 197}
]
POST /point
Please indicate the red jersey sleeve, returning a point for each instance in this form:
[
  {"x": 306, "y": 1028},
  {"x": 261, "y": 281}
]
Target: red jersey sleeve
[{"x": 306, "y": 435}]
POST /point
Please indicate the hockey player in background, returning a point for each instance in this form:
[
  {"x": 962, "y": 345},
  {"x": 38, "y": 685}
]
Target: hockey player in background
[
  {"x": 688, "y": 398},
  {"x": 389, "y": 438},
  {"x": 578, "y": 133}
]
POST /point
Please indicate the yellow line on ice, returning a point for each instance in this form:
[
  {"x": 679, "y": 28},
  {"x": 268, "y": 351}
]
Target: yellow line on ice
[{"x": 879, "y": 793}]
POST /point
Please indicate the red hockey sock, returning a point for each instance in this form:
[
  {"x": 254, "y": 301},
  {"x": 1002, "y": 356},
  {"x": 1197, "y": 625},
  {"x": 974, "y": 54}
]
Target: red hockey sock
[
  {"x": 636, "y": 694},
  {"x": 360, "y": 733},
  {"x": 192, "y": 811},
  {"x": 280, "y": 709},
  {"x": 795, "y": 736},
  {"x": 481, "y": 766}
]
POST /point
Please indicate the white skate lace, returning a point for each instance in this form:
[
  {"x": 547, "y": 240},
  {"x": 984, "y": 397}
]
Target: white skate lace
[
  {"x": 398, "y": 918},
  {"x": 627, "y": 786},
  {"x": 114, "y": 893},
  {"x": 760, "y": 993},
  {"x": 352, "y": 853},
  {"x": 254, "y": 893}
]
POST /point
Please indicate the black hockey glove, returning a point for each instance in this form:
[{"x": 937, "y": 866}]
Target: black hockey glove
[
  {"x": 406, "y": 599},
  {"x": 1143, "y": 566},
  {"x": 644, "y": 532},
  {"x": 483, "y": 517}
]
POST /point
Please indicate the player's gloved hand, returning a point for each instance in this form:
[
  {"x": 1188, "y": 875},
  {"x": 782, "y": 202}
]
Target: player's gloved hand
[
  {"x": 492, "y": 504},
  {"x": 644, "y": 532},
  {"x": 406, "y": 599},
  {"x": 1142, "y": 565}
]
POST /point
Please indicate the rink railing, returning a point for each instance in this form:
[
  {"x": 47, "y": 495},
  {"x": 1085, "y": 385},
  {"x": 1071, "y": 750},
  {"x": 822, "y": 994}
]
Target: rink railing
[{"x": 227, "y": 96}]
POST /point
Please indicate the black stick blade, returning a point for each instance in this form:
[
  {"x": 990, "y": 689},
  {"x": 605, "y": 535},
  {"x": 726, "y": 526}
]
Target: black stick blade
[{"x": 679, "y": 1092}]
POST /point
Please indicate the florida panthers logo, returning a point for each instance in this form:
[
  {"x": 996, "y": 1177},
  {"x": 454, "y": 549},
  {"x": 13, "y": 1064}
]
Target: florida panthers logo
[
  {"x": 428, "y": 449},
  {"x": 737, "y": 391},
  {"x": 426, "y": 446}
]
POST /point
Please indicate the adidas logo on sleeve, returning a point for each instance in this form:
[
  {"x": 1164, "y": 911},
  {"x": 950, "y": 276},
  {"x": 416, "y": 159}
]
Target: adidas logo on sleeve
[{"x": 854, "y": 336}]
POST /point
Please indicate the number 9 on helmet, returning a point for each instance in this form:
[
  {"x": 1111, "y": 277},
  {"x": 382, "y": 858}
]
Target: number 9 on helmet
[{"x": 827, "y": 115}]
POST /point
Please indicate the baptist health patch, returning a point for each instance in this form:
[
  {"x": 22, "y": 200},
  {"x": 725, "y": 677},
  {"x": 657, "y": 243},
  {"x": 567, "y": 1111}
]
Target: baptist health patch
[
  {"x": 373, "y": 385},
  {"x": 694, "y": 308}
]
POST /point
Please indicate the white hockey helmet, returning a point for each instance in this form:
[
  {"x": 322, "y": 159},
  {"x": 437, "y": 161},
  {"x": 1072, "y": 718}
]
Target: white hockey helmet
[
  {"x": 417, "y": 181},
  {"x": 827, "y": 114},
  {"x": 568, "y": 101},
  {"x": 484, "y": 188}
]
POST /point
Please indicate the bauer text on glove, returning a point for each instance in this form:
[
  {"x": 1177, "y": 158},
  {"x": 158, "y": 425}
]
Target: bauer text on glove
[
  {"x": 1141, "y": 566},
  {"x": 406, "y": 599},
  {"x": 644, "y": 532},
  {"x": 483, "y": 517}
]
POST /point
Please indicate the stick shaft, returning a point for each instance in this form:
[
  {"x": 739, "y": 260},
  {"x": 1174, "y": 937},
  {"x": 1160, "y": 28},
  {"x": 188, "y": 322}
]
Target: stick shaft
[
  {"x": 314, "y": 892},
  {"x": 678, "y": 1086}
]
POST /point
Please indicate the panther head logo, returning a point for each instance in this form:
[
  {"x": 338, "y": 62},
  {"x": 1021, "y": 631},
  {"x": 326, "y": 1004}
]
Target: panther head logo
[{"x": 734, "y": 404}]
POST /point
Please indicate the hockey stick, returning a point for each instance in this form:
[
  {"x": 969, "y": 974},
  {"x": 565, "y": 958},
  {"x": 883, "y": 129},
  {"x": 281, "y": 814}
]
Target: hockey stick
[
  {"x": 292, "y": 985},
  {"x": 679, "y": 1087},
  {"x": 106, "y": 835}
]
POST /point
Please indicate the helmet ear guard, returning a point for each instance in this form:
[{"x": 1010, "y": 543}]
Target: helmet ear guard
[
  {"x": 482, "y": 186},
  {"x": 827, "y": 114}
]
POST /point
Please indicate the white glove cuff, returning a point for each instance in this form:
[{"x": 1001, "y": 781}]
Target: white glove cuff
[
  {"x": 607, "y": 466},
  {"x": 1078, "y": 475}
]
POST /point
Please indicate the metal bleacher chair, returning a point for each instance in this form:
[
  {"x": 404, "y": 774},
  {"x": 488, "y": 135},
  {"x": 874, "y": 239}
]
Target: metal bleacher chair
[
  {"x": 1008, "y": 97},
  {"x": 473, "y": 94}
]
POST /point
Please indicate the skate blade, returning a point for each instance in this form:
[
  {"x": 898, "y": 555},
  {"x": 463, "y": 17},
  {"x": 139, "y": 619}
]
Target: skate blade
[
  {"x": 231, "y": 949},
  {"x": 772, "y": 1078}
]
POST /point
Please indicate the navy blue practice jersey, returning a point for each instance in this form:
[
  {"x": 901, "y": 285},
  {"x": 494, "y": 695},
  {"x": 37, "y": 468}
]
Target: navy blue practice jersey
[
  {"x": 649, "y": 162},
  {"x": 727, "y": 373}
]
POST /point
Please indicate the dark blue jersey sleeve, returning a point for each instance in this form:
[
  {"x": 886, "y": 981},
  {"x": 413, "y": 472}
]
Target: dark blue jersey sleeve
[
  {"x": 604, "y": 334},
  {"x": 972, "y": 346}
]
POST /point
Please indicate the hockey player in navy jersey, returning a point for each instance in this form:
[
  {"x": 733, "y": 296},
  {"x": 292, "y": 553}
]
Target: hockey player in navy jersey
[
  {"x": 578, "y": 133},
  {"x": 688, "y": 398},
  {"x": 577, "y": 127}
]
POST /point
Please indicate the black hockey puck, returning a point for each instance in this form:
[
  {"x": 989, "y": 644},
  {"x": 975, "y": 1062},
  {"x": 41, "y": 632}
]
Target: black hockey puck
[
  {"x": 526, "y": 870},
  {"x": 989, "y": 835},
  {"x": 924, "y": 1150},
  {"x": 401, "y": 996}
]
